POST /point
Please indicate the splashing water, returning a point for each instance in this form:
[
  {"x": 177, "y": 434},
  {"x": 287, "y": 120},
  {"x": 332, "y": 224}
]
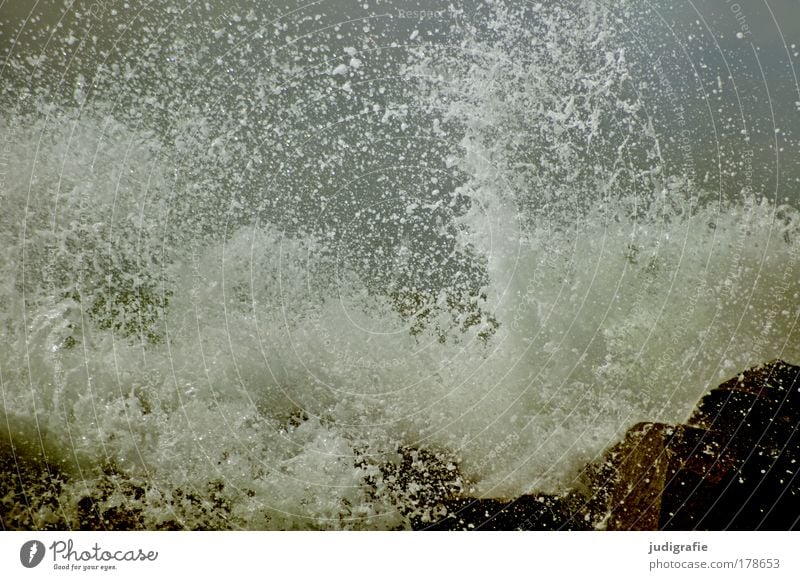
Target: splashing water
[{"x": 244, "y": 274}]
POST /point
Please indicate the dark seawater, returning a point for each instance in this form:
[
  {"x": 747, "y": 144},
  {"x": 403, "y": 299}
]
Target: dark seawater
[{"x": 255, "y": 253}]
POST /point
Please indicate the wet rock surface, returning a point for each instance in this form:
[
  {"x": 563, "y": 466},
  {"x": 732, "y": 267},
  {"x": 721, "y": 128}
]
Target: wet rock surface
[
  {"x": 535, "y": 512},
  {"x": 732, "y": 466},
  {"x": 737, "y": 466}
]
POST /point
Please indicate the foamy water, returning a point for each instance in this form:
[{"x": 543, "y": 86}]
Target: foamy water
[{"x": 238, "y": 280}]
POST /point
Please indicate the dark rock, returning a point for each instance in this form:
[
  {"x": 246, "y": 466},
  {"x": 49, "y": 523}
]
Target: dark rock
[
  {"x": 732, "y": 466},
  {"x": 112, "y": 504},
  {"x": 420, "y": 481},
  {"x": 31, "y": 477},
  {"x": 750, "y": 452},
  {"x": 540, "y": 512},
  {"x": 627, "y": 485}
]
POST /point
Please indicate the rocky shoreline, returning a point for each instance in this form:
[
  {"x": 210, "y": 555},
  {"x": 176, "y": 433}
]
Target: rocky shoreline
[{"x": 732, "y": 466}]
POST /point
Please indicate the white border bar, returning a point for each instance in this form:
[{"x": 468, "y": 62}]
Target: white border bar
[{"x": 384, "y": 555}]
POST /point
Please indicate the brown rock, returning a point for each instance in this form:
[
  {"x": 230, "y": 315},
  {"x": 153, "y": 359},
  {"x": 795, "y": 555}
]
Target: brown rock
[
  {"x": 732, "y": 466},
  {"x": 641, "y": 462}
]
